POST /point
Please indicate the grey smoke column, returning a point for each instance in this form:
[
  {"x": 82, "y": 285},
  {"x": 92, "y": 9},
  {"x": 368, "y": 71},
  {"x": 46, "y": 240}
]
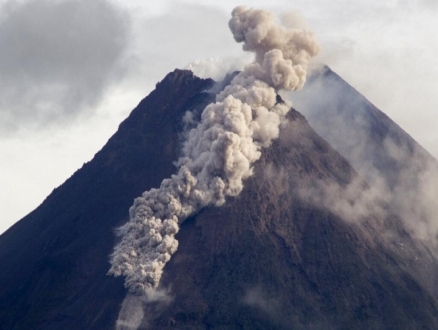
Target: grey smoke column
[{"x": 220, "y": 152}]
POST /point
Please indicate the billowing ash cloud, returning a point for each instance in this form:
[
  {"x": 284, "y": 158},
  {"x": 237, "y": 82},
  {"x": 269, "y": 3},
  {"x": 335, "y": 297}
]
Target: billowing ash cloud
[{"x": 220, "y": 151}]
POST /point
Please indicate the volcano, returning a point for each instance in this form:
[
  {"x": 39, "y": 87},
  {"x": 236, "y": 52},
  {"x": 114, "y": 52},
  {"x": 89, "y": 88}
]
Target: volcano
[{"x": 271, "y": 258}]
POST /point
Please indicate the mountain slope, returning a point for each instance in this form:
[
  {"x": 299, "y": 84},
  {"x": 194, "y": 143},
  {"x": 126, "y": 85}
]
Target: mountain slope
[
  {"x": 55, "y": 259},
  {"x": 356, "y": 128},
  {"x": 271, "y": 258},
  {"x": 382, "y": 152}
]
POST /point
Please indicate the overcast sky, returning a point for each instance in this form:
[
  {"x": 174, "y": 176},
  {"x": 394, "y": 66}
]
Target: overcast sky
[{"x": 71, "y": 71}]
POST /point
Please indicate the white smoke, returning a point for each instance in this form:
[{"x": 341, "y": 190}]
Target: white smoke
[
  {"x": 132, "y": 314},
  {"x": 397, "y": 169},
  {"x": 220, "y": 151},
  {"x": 217, "y": 68}
]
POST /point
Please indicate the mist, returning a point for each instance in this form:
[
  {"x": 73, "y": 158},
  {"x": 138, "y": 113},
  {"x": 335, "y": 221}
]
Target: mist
[{"x": 396, "y": 168}]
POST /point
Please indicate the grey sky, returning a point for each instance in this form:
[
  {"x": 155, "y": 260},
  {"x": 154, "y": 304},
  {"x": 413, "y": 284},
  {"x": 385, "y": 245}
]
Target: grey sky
[
  {"x": 71, "y": 70},
  {"x": 57, "y": 59}
]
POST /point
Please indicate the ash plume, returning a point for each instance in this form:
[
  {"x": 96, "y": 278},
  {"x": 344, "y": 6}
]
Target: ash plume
[{"x": 220, "y": 151}]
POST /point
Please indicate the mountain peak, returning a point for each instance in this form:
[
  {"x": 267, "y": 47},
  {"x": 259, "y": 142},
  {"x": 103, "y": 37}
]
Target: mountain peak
[{"x": 270, "y": 258}]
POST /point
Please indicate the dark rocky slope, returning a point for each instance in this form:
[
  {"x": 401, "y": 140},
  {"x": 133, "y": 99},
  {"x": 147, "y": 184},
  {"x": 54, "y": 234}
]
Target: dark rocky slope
[
  {"x": 375, "y": 145},
  {"x": 268, "y": 259},
  {"x": 54, "y": 261},
  {"x": 363, "y": 134},
  {"x": 271, "y": 259}
]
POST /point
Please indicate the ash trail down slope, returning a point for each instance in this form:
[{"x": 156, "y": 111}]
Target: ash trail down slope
[
  {"x": 220, "y": 151},
  {"x": 268, "y": 260}
]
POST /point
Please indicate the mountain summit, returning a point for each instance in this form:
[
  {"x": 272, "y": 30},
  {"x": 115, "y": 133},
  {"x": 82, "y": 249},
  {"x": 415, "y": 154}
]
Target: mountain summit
[{"x": 281, "y": 255}]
